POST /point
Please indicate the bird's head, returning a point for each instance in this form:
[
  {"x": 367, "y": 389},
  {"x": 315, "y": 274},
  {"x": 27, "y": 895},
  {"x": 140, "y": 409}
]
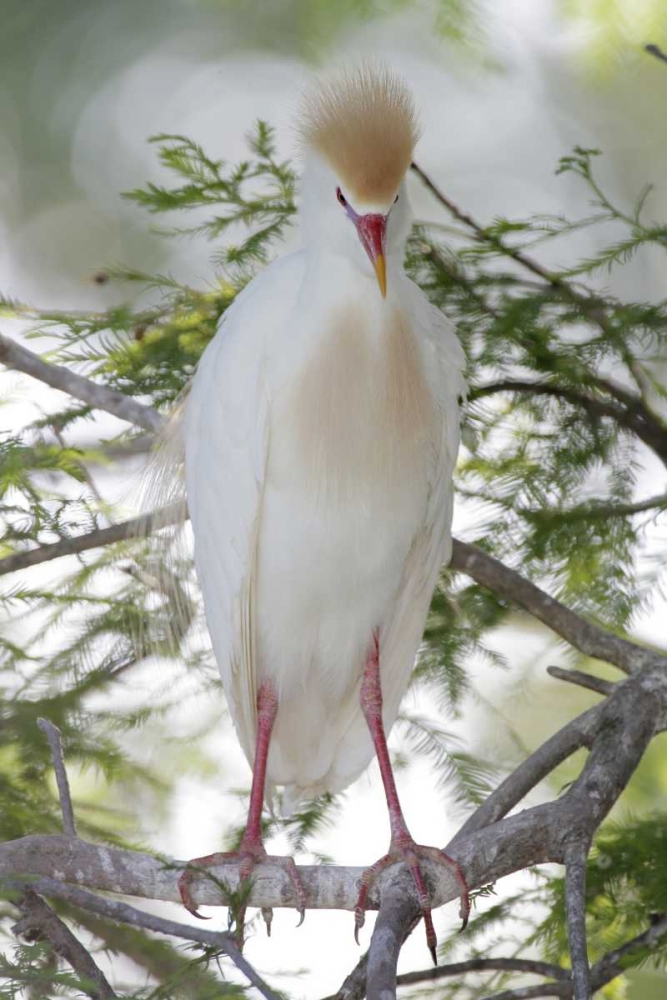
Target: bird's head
[{"x": 359, "y": 130}]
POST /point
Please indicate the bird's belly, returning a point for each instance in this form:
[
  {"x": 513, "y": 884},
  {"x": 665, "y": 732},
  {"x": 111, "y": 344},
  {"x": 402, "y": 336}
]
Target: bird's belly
[
  {"x": 327, "y": 575},
  {"x": 345, "y": 493}
]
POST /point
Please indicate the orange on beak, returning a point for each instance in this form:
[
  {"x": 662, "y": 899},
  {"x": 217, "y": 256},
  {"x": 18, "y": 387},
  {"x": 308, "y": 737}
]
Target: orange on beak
[{"x": 372, "y": 231}]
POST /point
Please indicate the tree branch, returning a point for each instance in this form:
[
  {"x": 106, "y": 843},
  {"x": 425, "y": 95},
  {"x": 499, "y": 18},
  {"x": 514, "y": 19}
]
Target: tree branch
[
  {"x": 609, "y": 966},
  {"x": 578, "y": 677},
  {"x": 53, "y": 735},
  {"x": 39, "y": 919},
  {"x": 576, "y": 734},
  {"x": 116, "y": 910},
  {"x": 630, "y": 413},
  {"x": 398, "y": 911},
  {"x": 624, "y": 726},
  {"x": 591, "y": 511},
  {"x": 133, "y": 528},
  {"x": 575, "y": 908},
  {"x": 584, "y": 636},
  {"x": 587, "y": 301},
  {"x": 98, "y": 396},
  {"x": 655, "y": 50},
  {"x": 527, "y": 992},
  {"x": 527, "y": 965}
]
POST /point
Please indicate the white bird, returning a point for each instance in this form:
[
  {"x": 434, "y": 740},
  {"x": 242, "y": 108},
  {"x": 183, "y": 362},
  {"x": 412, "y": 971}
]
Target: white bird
[{"x": 321, "y": 432}]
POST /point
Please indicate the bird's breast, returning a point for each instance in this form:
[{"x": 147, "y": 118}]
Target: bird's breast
[{"x": 359, "y": 418}]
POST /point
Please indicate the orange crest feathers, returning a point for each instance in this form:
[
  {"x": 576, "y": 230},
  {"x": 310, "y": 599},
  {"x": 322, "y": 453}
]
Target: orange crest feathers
[{"x": 363, "y": 121}]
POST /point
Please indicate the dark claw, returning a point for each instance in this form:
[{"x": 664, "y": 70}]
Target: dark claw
[
  {"x": 267, "y": 914},
  {"x": 433, "y": 954},
  {"x": 359, "y": 920},
  {"x": 186, "y": 898},
  {"x": 302, "y": 916},
  {"x": 464, "y": 912}
]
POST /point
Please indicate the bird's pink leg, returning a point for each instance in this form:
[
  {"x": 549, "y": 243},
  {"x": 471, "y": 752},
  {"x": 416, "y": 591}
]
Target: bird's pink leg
[
  {"x": 402, "y": 847},
  {"x": 251, "y": 850}
]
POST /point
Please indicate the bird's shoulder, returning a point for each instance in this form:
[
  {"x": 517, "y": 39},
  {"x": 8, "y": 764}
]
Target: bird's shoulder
[
  {"x": 234, "y": 364},
  {"x": 446, "y": 359},
  {"x": 266, "y": 302}
]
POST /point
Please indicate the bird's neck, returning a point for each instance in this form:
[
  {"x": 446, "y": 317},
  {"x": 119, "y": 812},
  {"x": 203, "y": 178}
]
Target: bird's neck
[{"x": 332, "y": 280}]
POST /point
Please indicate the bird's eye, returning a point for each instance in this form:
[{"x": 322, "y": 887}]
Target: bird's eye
[{"x": 341, "y": 197}]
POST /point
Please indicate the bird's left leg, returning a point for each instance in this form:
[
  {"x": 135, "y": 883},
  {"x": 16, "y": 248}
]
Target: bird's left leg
[
  {"x": 402, "y": 847},
  {"x": 251, "y": 850}
]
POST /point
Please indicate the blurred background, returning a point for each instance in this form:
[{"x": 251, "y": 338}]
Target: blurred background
[{"x": 504, "y": 88}]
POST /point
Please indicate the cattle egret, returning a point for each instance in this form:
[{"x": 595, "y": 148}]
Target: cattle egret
[{"x": 321, "y": 431}]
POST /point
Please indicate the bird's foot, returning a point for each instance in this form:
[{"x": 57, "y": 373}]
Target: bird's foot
[
  {"x": 250, "y": 853},
  {"x": 410, "y": 853}
]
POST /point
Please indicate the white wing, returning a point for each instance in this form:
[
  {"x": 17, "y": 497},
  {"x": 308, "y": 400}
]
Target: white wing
[
  {"x": 432, "y": 545},
  {"x": 226, "y": 444}
]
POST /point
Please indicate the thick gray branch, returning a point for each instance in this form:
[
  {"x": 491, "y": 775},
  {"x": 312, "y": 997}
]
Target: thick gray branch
[
  {"x": 98, "y": 396},
  {"x": 124, "y": 913},
  {"x": 398, "y": 910},
  {"x": 575, "y": 907},
  {"x": 39, "y": 919}
]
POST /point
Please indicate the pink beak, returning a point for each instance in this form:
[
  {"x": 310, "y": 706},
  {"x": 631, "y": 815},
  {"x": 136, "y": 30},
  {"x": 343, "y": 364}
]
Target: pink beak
[{"x": 372, "y": 231}]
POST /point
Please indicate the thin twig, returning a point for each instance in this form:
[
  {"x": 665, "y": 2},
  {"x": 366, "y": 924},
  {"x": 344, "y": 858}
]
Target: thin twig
[
  {"x": 578, "y": 677},
  {"x": 587, "y": 301},
  {"x": 98, "y": 396},
  {"x": 124, "y": 913},
  {"x": 39, "y": 918},
  {"x": 655, "y": 50},
  {"x": 133, "y": 528},
  {"x": 575, "y": 907},
  {"x": 54, "y": 737},
  {"x": 598, "y": 511},
  {"x": 527, "y": 992},
  {"x": 526, "y": 965},
  {"x": 626, "y": 410}
]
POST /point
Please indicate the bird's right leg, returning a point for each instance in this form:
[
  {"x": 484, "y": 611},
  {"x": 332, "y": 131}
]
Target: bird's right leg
[
  {"x": 251, "y": 849},
  {"x": 402, "y": 846}
]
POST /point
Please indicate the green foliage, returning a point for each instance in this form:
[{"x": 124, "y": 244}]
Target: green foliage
[
  {"x": 563, "y": 407},
  {"x": 258, "y": 193},
  {"x": 626, "y": 888}
]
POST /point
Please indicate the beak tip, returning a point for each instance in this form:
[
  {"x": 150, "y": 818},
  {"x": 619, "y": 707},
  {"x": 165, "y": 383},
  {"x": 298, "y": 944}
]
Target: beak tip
[{"x": 381, "y": 272}]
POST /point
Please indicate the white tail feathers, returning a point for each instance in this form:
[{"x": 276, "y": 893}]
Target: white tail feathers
[{"x": 166, "y": 567}]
